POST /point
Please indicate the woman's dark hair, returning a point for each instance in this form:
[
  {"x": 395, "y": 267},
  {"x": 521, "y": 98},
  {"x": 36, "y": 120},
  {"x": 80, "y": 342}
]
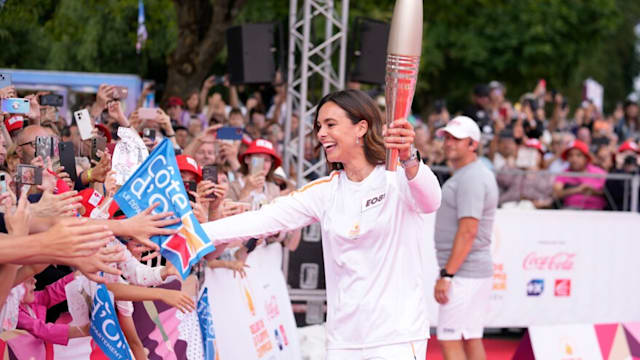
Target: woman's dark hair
[{"x": 358, "y": 106}]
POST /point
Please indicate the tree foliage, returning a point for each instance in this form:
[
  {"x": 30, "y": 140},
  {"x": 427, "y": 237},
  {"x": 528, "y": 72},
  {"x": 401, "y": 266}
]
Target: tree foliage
[{"x": 465, "y": 42}]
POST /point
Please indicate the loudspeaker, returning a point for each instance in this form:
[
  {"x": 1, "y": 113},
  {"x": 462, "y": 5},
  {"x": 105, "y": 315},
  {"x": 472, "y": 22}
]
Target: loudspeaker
[
  {"x": 250, "y": 53},
  {"x": 368, "y": 53}
]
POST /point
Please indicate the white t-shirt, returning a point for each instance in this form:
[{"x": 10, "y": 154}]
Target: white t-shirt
[{"x": 371, "y": 233}]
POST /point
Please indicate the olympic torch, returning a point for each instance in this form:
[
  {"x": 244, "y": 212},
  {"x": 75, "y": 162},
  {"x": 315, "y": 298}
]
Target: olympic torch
[{"x": 403, "y": 60}]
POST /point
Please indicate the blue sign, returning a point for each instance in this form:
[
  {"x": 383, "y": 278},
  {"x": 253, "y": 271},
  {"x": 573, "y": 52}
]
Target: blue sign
[
  {"x": 206, "y": 326},
  {"x": 158, "y": 180},
  {"x": 535, "y": 287},
  {"x": 105, "y": 328}
]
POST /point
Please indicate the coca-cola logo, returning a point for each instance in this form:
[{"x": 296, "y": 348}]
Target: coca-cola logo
[{"x": 558, "y": 261}]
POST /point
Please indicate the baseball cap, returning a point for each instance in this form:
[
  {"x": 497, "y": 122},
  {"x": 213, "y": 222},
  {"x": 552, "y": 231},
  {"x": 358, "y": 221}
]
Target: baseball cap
[
  {"x": 14, "y": 122},
  {"x": 461, "y": 127},
  {"x": 187, "y": 163},
  {"x": 577, "y": 144}
]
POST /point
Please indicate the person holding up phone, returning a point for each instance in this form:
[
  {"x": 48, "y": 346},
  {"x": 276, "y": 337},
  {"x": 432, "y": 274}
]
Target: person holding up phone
[{"x": 256, "y": 185}]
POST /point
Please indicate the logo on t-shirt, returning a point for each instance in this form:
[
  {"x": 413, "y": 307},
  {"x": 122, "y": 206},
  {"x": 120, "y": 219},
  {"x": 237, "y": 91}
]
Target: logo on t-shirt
[
  {"x": 562, "y": 287},
  {"x": 535, "y": 287},
  {"x": 372, "y": 202}
]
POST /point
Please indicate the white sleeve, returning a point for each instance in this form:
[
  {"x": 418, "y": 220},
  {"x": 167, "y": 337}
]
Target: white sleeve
[
  {"x": 138, "y": 273},
  {"x": 423, "y": 191},
  {"x": 285, "y": 213}
]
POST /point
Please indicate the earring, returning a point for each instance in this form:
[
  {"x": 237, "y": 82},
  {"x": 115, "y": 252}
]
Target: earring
[{"x": 357, "y": 140}]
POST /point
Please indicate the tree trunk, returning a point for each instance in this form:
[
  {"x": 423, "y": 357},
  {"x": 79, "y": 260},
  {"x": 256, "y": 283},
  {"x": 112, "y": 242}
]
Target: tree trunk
[{"x": 201, "y": 36}]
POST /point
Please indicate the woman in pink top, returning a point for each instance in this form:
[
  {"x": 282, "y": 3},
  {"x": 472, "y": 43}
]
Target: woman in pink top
[
  {"x": 580, "y": 192},
  {"x": 33, "y": 312}
]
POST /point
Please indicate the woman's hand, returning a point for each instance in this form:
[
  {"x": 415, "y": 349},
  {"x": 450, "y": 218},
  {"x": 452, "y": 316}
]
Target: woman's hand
[
  {"x": 115, "y": 111},
  {"x": 399, "y": 135}
]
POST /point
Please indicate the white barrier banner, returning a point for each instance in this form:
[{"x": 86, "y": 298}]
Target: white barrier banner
[
  {"x": 252, "y": 316},
  {"x": 557, "y": 267}
]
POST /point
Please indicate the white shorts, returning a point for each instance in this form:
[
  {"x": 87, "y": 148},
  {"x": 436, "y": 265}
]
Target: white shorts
[
  {"x": 463, "y": 317},
  {"x": 416, "y": 350}
]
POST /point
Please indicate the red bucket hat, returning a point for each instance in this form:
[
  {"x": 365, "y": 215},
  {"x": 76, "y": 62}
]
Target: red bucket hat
[
  {"x": 629, "y": 145},
  {"x": 187, "y": 163},
  {"x": 262, "y": 146},
  {"x": 534, "y": 144},
  {"x": 175, "y": 101},
  {"x": 577, "y": 144}
]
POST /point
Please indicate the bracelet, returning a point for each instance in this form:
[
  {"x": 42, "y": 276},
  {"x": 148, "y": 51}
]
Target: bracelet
[
  {"x": 170, "y": 136},
  {"x": 89, "y": 175}
]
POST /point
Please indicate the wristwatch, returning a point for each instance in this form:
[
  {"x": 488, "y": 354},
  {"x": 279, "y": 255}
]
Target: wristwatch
[
  {"x": 413, "y": 160},
  {"x": 445, "y": 275}
]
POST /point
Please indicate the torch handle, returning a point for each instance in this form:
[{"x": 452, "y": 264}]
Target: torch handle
[{"x": 400, "y": 86}]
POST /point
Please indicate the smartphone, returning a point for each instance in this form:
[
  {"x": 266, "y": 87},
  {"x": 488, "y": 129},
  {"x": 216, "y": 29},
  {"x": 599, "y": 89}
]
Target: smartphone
[
  {"x": 3, "y": 183},
  {"x": 29, "y": 174},
  {"x": 15, "y": 105},
  {"x": 5, "y": 80},
  {"x": 149, "y": 133},
  {"x": 210, "y": 172},
  {"x": 83, "y": 120},
  {"x": 256, "y": 165},
  {"x": 97, "y": 143},
  {"x": 147, "y": 113},
  {"x": 191, "y": 186},
  {"x": 51, "y": 100},
  {"x": 229, "y": 133},
  {"x": 44, "y": 147},
  {"x": 68, "y": 159},
  {"x": 120, "y": 92}
]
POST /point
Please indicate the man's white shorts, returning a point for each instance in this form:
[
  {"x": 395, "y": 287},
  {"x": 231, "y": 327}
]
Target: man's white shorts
[
  {"x": 463, "y": 317},
  {"x": 416, "y": 350}
]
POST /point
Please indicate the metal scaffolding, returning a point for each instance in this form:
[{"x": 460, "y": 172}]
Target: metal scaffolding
[{"x": 309, "y": 60}]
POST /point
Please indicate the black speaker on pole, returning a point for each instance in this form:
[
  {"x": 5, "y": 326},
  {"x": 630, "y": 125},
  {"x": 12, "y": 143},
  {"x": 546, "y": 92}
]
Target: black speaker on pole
[
  {"x": 368, "y": 51},
  {"x": 250, "y": 57}
]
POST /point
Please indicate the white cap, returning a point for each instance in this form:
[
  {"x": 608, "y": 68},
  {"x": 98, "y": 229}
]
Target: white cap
[{"x": 461, "y": 127}]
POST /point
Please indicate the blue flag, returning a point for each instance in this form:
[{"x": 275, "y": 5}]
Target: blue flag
[
  {"x": 142, "y": 29},
  {"x": 105, "y": 328},
  {"x": 158, "y": 180},
  {"x": 206, "y": 326}
]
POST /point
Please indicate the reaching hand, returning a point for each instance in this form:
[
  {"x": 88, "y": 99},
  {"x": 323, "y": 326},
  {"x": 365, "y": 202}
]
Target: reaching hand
[
  {"x": 102, "y": 260},
  {"x": 99, "y": 172},
  {"x": 34, "y": 107},
  {"x": 64, "y": 204},
  {"x": 145, "y": 225},
  {"x": 104, "y": 95},
  {"x": 115, "y": 111},
  {"x": 179, "y": 299},
  {"x": 17, "y": 221},
  {"x": 72, "y": 237},
  {"x": 237, "y": 266}
]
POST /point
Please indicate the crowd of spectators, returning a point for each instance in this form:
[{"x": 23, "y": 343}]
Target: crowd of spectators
[
  {"x": 63, "y": 233},
  {"x": 545, "y": 155}
]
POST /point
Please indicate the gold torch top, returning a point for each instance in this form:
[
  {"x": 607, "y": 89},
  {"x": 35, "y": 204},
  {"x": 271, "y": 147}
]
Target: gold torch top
[{"x": 405, "y": 36}]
